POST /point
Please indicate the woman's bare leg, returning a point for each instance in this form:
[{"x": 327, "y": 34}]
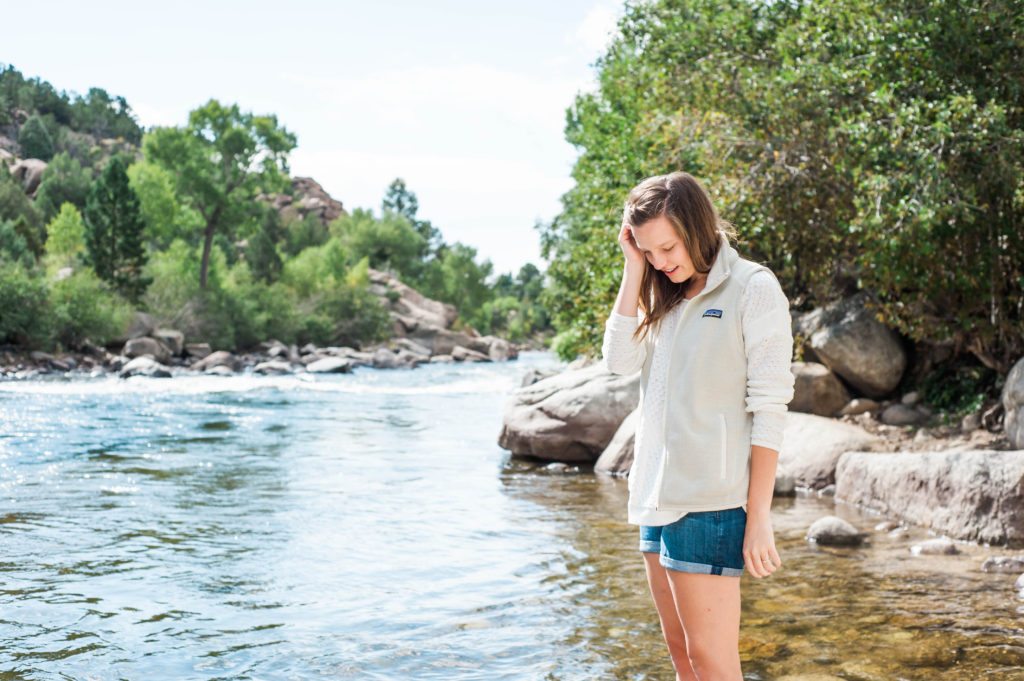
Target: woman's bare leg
[
  {"x": 709, "y": 608},
  {"x": 671, "y": 626}
]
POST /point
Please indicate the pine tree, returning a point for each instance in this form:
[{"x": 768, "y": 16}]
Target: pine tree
[{"x": 114, "y": 231}]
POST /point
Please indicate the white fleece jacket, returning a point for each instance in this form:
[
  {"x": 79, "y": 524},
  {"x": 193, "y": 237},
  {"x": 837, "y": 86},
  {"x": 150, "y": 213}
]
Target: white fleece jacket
[{"x": 768, "y": 345}]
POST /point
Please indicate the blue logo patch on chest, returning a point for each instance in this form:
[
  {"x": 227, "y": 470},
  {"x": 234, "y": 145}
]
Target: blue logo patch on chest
[{"x": 712, "y": 312}]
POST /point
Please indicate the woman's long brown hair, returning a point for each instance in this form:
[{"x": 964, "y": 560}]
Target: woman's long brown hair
[{"x": 682, "y": 199}]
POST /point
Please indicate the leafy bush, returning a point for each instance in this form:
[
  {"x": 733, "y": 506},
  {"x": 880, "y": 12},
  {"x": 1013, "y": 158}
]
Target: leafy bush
[
  {"x": 25, "y": 306},
  {"x": 83, "y": 307}
]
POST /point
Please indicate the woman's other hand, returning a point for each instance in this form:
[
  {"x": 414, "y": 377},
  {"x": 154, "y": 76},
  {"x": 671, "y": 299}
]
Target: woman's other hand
[{"x": 759, "y": 554}]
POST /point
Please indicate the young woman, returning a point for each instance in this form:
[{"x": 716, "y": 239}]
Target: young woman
[{"x": 710, "y": 333}]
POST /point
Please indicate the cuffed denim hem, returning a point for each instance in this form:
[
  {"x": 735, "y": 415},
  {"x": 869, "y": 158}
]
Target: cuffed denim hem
[
  {"x": 650, "y": 546},
  {"x": 700, "y": 568}
]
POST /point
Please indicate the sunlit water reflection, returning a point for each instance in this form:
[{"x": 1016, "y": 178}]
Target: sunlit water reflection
[{"x": 367, "y": 526}]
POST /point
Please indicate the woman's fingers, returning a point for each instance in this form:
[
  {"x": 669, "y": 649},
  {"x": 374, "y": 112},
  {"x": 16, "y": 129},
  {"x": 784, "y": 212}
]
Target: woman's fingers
[{"x": 762, "y": 562}]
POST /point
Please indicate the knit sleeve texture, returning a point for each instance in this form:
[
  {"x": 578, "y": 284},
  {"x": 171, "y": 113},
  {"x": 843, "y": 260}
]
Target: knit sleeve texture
[
  {"x": 768, "y": 342},
  {"x": 621, "y": 353}
]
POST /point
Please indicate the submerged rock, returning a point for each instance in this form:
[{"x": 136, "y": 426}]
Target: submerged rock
[{"x": 834, "y": 531}]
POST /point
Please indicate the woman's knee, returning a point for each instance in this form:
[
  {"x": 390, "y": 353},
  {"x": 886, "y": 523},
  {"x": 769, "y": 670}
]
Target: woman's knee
[{"x": 710, "y": 663}]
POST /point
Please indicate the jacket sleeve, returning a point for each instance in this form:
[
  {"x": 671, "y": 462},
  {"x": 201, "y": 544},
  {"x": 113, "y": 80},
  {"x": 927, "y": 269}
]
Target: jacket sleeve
[
  {"x": 768, "y": 343},
  {"x": 621, "y": 353}
]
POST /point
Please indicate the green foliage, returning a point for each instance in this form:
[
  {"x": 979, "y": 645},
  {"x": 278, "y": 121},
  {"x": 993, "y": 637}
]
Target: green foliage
[
  {"x": 13, "y": 247},
  {"x": 959, "y": 387},
  {"x": 35, "y": 140},
  {"x": 114, "y": 231},
  {"x": 16, "y": 207},
  {"x": 399, "y": 199},
  {"x": 454, "y": 276},
  {"x": 83, "y": 307},
  {"x": 389, "y": 243},
  {"x": 300, "y": 234},
  {"x": 515, "y": 312},
  {"x": 64, "y": 180},
  {"x": 163, "y": 214},
  {"x": 261, "y": 252},
  {"x": 854, "y": 144},
  {"x": 220, "y": 162},
  {"x": 24, "y": 316},
  {"x": 66, "y": 236}
]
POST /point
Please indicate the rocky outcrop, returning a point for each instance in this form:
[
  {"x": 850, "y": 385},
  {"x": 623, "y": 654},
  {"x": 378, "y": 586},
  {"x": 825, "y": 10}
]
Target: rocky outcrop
[
  {"x": 847, "y": 338},
  {"x": 1012, "y": 399},
  {"x": 812, "y": 445},
  {"x": 976, "y": 495},
  {"x": 29, "y": 172},
  {"x": 817, "y": 390},
  {"x": 427, "y": 323},
  {"x": 571, "y": 416},
  {"x": 307, "y": 198}
]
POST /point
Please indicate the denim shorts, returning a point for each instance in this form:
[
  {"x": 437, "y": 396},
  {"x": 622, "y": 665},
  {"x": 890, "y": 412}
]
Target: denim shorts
[{"x": 706, "y": 542}]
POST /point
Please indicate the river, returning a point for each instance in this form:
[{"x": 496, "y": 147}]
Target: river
[{"x": 367, "y": 526}]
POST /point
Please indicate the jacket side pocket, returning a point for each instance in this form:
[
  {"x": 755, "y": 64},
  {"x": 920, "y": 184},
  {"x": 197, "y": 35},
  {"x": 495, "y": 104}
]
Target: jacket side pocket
[{"x": 724, "y": 442}]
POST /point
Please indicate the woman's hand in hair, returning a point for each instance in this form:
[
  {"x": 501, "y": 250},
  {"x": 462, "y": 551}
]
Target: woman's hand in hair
[{"x": 634, "y": 256}]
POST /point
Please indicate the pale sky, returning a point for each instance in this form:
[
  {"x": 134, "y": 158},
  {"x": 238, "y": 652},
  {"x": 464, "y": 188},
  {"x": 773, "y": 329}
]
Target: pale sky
[{"x": 463, "y": 100}]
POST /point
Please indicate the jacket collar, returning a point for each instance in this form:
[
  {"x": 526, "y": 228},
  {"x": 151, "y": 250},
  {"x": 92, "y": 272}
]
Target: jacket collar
[{"x": 722, "y": 266}]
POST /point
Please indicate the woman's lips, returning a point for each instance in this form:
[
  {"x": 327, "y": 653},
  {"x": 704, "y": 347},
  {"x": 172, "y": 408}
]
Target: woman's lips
[{"x": 671, "y": 270}]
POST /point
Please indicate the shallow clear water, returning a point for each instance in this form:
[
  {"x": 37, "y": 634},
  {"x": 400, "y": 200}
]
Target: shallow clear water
[{"x": 367, "y": 526}]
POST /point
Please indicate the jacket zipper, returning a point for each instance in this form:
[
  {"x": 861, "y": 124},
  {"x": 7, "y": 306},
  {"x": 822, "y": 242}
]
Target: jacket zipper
[{"x": 664, "y": 407}]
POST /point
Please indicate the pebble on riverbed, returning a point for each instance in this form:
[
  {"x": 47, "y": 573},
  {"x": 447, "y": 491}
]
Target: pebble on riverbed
[
  {"x": 1003, "y": 564},
  {"x": 940, "y": 546},
  {"x": 834, "y": 531}
]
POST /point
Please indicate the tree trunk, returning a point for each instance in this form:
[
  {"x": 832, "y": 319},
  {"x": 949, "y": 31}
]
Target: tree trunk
[{"x": 207, "y": 243}]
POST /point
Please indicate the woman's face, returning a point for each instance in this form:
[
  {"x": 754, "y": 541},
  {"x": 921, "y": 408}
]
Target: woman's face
[{"x": 663, "y": 248}]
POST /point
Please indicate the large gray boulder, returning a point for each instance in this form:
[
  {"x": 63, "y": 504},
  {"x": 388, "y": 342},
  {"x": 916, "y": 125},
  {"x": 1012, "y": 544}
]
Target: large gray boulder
[
  {"x": 408, "y": 306},
  {"x": 29, "y": 172},
  {"x": 173, "y": 339},
  {"x": 812, "y": 445},
  {"x": 617, "y": 457},
  {"x": 1013, "y": 405},
  {"x": 569, "y": 417},
  {"x": 137, "y": 347},
  {"x": 817, "y": 390},
  {"x": 977, "y": 495},
  {"x": 847, "y": 338},
  {"x": 221, "y": 358}
]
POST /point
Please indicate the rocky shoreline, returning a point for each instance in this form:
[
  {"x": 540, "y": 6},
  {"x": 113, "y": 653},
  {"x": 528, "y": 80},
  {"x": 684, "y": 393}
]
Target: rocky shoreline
[{"x": 421, "y": 333}]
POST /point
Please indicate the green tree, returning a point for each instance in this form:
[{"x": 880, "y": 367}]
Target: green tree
[
  {"x": 455, "y": 277},
  {"x": 221, "y": 161},
  {"x": 399, "y": 199},
  {"x": 261, "y": 252},
  {"x": 64, "y": 180},
  {"x": 35, "y": 140},
  {"x": 165, "y": 218},
  {"x": 66, "y": 236},
  {"x": 389, "y": 243},
  {"x": 114, "y": 231}
]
